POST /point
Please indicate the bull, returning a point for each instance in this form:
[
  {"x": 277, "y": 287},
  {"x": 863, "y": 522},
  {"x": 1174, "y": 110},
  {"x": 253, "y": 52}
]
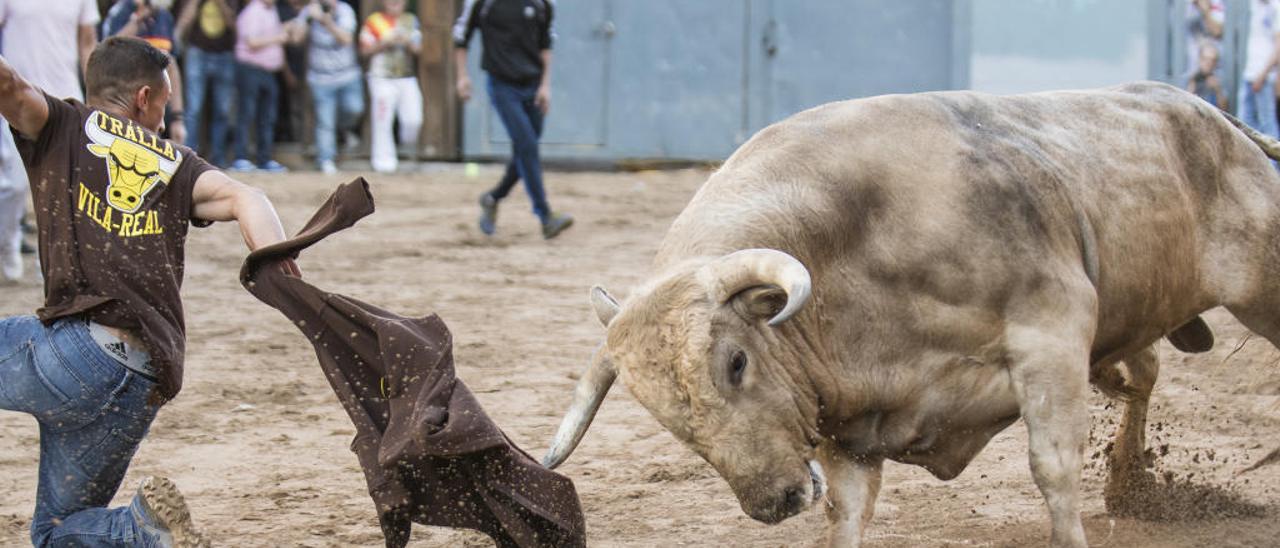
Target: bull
[
  {"x": 902, "y": 277},
  {"x": 132, "y": 169}
]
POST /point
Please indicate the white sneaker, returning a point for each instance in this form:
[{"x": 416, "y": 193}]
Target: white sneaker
[
  {"x": 11, "y": 265},
  {"x": 328, "y": 167}
]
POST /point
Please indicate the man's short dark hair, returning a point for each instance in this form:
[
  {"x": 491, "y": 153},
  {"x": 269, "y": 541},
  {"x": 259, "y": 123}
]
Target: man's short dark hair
[{"x": 120, "y": 65}]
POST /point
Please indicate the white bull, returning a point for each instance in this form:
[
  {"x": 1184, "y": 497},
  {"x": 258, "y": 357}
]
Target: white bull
[{"x": 902, "y": 277}]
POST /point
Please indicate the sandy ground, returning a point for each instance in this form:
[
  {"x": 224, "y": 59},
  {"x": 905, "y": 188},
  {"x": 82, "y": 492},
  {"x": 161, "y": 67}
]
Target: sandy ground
[{"x": 259, "y": 444}]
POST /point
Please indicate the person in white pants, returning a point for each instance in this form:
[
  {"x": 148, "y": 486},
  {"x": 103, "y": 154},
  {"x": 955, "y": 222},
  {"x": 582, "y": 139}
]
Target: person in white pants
[
  {"x": 13, "y": 202},
  {"x": 392, "y": 39}
]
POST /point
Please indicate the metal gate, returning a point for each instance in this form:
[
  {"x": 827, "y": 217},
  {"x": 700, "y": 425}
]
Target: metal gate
[{"x": 682, "y": 79}]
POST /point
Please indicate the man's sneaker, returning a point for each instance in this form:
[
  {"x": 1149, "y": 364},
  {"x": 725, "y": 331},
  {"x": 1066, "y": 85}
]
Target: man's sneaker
[
  {"x": 273, "y": 166},
  {"x": 243, "y": 166},
  {"x": 161, "y": 512},
  {"x": 555, "y": 224},
  {"x": 328, "y": 167},
  {"x": 488, "y": 213}
]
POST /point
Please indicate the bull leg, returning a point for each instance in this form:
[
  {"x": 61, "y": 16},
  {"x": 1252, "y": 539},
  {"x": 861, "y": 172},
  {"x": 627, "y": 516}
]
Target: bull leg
[
  {"x": 851, "y": 502},
  {"x": 1126, "y": 464},
  {"x": 1049, "y": 373}
]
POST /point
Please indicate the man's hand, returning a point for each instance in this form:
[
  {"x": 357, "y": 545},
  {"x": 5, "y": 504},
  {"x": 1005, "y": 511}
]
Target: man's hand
[
  {"x": 1257, "y": 83},
  {"x": 22, "y": 104},
  {"x": 543, "y": 99},
  {"x": 178, "y": 131},
  {"x": 291, "y": 268},
  {"x": 141, "y": 13},
  {"x": 464, "y": 88}
]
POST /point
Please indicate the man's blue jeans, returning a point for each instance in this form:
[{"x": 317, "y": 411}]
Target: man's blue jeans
[
  {"x": 216, "y": 71},
  {"x": 92, "y": 413},
  {"x": 1259, "y": 109},
  {"x": 259, "y": 95},
  {"x": 523, "y": 120},
  {"x": 338, "y": 108}
]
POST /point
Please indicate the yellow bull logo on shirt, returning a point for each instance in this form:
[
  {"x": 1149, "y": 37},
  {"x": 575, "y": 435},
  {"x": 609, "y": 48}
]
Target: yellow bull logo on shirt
[{"x": 136, "y": 160}]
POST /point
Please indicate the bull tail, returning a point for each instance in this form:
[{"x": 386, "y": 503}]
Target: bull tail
[{"x": 1269, "y": 146}]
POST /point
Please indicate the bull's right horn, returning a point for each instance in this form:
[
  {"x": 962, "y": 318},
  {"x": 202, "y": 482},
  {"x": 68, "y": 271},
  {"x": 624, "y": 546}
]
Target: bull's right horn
[
  {"x": 604, "y": 304},
  {"x": 731, "y": 274},
  {"x": 587, "y": 397}
]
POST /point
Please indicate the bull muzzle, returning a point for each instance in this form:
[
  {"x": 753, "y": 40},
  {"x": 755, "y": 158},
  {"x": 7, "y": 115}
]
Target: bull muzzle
[{"x": 791, "y": 500}]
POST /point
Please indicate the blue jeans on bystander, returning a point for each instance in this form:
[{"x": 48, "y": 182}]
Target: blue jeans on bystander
[
  {"x": 338, "y": 108},
  {"x": 92, "y": 413},
  {"x": 523, "y": 120},
  {"x": 259, "y": 95},
  {"x": 217, "y": 71},
  {"x": 1258, "y": 109}
]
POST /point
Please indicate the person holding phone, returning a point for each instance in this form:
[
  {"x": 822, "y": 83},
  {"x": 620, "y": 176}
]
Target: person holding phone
[
  {"x": 152, "y": 21},
  {"x": 333, "y": 74}
]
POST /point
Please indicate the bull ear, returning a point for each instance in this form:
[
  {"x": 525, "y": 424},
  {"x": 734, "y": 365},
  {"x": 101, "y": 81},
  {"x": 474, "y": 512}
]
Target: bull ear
[
  {"x": 606, "y": 306},
  {"x": 764, "y": 301}
]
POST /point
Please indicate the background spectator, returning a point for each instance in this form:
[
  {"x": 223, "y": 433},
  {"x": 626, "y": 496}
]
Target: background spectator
[
  {"x": 333, "y": 74},
  {"x": 292, "y": 102},
  {"x": 1204, "y": 24},
  {"x": 391, "y": 39},
  {"x": 47, "y": 43},
  {"x": 207, "y": 27},
  {"x": 260, "y": 38},
  {"x": 1206, "y": 81},
  {"x": 517, "y": 55},
  {"x": 1257, "y": 104},
  {"x": 152, "y": 21}
]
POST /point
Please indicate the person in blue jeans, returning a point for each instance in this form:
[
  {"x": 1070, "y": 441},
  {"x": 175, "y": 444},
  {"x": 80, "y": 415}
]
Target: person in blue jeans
[
  {"x": 333, "y": 74},
  {"x": 1257, "y": 97},
  {"x": 260, "y": 39},
  {"x": 517, "y": 56},
  {"x": 207, "y": 27},
  {"x": 106, "y": 350}
]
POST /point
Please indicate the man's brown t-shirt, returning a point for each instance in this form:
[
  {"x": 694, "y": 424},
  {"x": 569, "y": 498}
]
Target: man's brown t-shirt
[{"x": 113, "y": 203}]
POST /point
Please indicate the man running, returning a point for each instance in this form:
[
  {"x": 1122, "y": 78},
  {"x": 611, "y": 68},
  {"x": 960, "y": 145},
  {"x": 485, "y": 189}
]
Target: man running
[{"x": 113, "y": 202}]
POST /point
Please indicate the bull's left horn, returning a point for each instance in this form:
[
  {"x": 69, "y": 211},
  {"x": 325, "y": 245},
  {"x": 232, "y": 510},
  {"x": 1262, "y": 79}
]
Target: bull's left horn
[
  {"x": 729, "y": 275},
  {"x": 587, "y": 397}
]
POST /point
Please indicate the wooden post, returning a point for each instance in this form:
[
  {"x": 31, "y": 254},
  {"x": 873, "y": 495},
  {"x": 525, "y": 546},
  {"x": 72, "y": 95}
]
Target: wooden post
[{"x": 440, "y": 120}]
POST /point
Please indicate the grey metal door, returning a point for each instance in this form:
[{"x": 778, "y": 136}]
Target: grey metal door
[
  {"x": 810, "y": 53},
  {"x": 678, "y": 78},
  {"x": 579, "y": 80}
]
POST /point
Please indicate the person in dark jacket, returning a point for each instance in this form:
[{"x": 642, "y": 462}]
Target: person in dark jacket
[{"x": 517, "y": 55}]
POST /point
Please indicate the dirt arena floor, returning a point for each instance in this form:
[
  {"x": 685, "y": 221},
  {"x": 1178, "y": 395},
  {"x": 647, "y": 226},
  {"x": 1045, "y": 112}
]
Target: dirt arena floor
[{"x": 259, "y": 444}]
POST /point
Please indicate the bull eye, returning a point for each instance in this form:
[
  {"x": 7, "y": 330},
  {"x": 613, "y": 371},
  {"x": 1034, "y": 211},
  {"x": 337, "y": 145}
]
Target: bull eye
[
  {"x": 115, "y": 193},
  {"x": 737, "y": 366},
  {"x": 132, "y": 199}
]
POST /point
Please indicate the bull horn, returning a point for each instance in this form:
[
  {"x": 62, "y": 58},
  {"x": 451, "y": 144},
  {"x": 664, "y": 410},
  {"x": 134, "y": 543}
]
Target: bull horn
[
  {"x": 729, "y": 275},
  {"x": 604, "y": 304},
  {"x": 587, "y": 397},
  {"x": 95, "y": 133},
  {"x": 168, "y": 167}
]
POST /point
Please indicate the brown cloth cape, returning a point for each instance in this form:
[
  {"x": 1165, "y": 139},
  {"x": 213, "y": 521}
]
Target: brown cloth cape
[{"x": 429, "y": 452}]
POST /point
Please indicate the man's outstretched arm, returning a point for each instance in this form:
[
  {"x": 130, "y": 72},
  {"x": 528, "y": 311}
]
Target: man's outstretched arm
[
  {"x": 217, "y": 197},
  {"x": 22, "y": 104}
]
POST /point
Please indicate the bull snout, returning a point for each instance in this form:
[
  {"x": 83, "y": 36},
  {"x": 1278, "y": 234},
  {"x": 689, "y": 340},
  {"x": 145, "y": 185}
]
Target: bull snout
[
  {"x": 123, "y": 199},
  {"x": 790, "y": 499}
]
